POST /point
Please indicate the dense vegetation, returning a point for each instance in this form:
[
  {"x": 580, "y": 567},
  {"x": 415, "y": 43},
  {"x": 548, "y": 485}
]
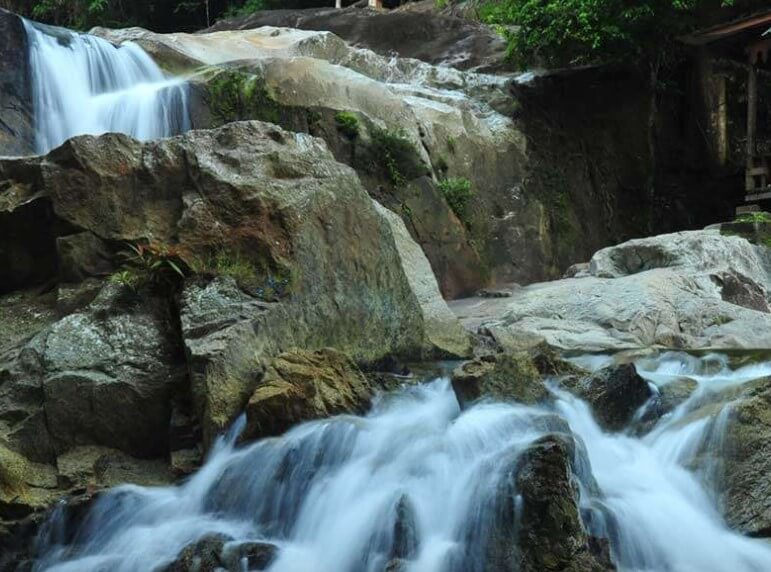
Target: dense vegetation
[
  {"x": 159, "y": 15},
  {"x": 578, "y": 32}
]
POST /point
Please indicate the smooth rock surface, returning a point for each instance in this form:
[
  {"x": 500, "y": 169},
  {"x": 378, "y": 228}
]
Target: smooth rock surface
[{"x": 668, "y": 291}]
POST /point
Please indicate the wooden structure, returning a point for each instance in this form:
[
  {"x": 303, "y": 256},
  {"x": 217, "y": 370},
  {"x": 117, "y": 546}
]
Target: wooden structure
[{"x": 746, "y": 42}]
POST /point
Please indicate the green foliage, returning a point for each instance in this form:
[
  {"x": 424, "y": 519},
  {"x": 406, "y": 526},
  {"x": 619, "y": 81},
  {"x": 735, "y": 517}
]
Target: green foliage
[
  {"x": 574, "y": 32},
  {"x": 451, "y": 144},
  {"x": 756, "y": 217},
  {"x": 458, "y": 193},
  {"x": 152, "y": 264},
  {"x": 347, "y": 123},
  {"x": 248, "y": 7},
  {"x": 398, "y": 155},
  {"x": 236, "y": 96}
]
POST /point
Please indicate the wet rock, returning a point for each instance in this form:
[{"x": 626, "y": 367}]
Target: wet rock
[
  {"x": 205, "y": 555},
  {"x": 744, "y": 457},
  {"x": 216, "y": 552},
  {"x": 17, "y": 134},
  {"x": 614, "y": 394},
  {"x": 302, "y": 386},
  {"x": 405, "y": 535},
  {"x": 675, "y": 393},
  {"x": 516, "y": 376},
  {"x": 542, "y": 530},
  {"x": 255, "y": 555}
]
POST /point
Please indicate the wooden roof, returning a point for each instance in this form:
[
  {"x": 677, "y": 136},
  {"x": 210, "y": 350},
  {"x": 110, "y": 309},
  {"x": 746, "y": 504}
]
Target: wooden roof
[{"x": 753, "y": 26}]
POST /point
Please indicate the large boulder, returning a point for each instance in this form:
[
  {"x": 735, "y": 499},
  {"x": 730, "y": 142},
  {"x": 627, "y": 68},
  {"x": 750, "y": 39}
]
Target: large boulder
[
  {"x": 303, "y": 386},
  {"x": 695, "y": 289},
  {"x": 317, "y": 264}
]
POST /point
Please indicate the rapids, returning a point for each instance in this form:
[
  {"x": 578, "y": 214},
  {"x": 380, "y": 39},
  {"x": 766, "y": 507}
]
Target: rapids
[
  {"x": 82, "y": 84},
  {"x": 328, "y": 493}
]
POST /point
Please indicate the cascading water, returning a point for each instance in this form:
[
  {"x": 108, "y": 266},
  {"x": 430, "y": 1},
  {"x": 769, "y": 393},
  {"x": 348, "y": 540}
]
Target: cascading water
[
  {"x": 330, "y": 494},
  {"x": 82, "y": 84}
]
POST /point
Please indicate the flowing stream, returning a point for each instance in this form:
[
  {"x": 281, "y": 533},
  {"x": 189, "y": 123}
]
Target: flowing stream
[
  {"x": 82, "y": 84},
  {"x": 330, "y": 494}
]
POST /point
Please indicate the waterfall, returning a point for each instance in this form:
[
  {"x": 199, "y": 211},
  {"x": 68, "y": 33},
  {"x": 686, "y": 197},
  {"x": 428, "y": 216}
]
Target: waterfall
[
  {"x": 331, "y": 494},
  {"x": 82, "y": 84}
]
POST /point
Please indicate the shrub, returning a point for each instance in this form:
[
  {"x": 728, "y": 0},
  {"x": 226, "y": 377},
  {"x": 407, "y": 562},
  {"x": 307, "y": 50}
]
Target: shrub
[
  {"x": 458, "y": 193},
  {"x": 347, "y": 124},
  {"x": 756, "y": 217},
  {"x": 398, "y": 155},
  {"x": 152, "y": 264}
]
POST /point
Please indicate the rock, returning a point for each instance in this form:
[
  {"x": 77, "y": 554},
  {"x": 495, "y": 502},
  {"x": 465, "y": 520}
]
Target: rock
[
  {"x": 17, "y": 135},
  {"x": 103, "y": 375},
  {"x": 321, "y": 261},
  {"x": 614, "y": 393},
  {"x": 517, "y": 376},
  {"x": 100, "y": 467},
  {"x": 81, "y": 256},
  {"x": 443, "y": 331},
  {"x": 201, "y": 556},
  {"x": 216, "y": 552},
  {"x": 578, "y": 270},
  {"x": 745, "y": 462},
  {"x": 256, "y": 555},
  {"x": 675, "y": 393},
  {"x": 405, "y": 534},
  {"x": 684, "y": 290},
  {"x": 302, "y": 386},
  {"x": 434, "y": 38},
  {"x": 545, "y": 532}
]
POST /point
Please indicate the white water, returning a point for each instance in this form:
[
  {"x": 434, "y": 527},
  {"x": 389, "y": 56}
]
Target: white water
[
  {"x": 82, "y": 84},
  {"x": 327, "y": 492}
]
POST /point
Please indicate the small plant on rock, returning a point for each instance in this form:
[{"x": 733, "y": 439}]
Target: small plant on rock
[
  {"x": 458, "y": 193},
  {"x": 347, "y": 124},
  {"x": 152, "y": 264},
  {"x": 398, "y": 155}
]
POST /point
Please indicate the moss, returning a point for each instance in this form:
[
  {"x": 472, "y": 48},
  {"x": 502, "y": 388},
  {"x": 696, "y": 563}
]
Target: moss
[
  {"x": 236, "y": 96},
  {"x": 13, "y": 471},
  {"x": 347, "y": 123},
  {"x": 397, "y": 155},
  {"x": 452, "y": 144}
]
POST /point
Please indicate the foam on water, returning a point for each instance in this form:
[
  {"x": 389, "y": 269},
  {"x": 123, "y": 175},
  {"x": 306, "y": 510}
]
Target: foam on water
[
  {"x": 82, "y": 84},
  {"x": 329, "y": 493}
]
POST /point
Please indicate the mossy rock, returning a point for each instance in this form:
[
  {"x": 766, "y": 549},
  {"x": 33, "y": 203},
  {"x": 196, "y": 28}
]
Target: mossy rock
[
  {"x": 14, "y": 471},
  {"x": 515, "y": 376}
]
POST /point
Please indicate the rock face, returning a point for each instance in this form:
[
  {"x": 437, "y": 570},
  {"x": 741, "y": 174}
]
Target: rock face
[
  {"x": 16, "y": 115},
  {"x": 523, "y": 224},
  {"x": 323, "y": 262},
  {"x": 211, "y": 554},
  {"x": 303, "y": 386},
  {"x": 688, "y": 290},
  {"x": 549, "y": 532}
]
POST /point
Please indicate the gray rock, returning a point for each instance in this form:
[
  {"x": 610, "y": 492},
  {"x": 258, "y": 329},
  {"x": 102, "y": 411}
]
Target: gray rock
[
  {"x": 17, "y": 136},
  {"x": 687, "y": 290}
]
